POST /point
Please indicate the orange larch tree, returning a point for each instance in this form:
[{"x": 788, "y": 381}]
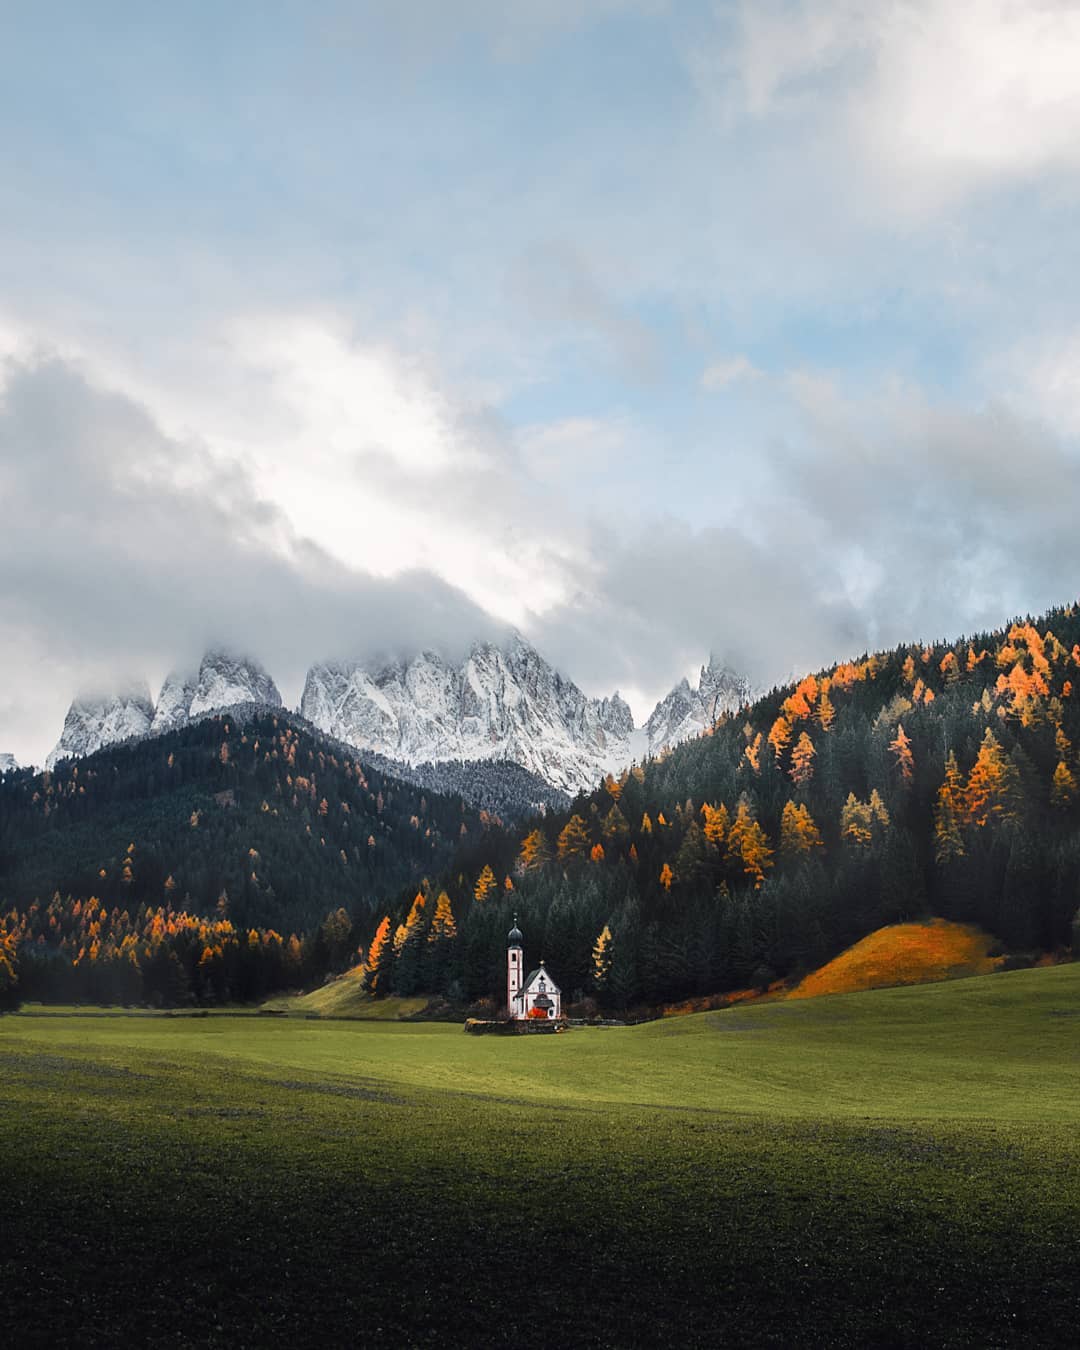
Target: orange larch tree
[
  {"x": 748, "y": 844},
  {"x": 378, "y": 957},
  {"x": 443, "y": 927},
  {"x": 901, "y": 748},
  {"x": 948, "y": 813},
  {"x": 798, "y": 833},
  {"x": 717, "y": 823},
  {"x": 573, "y": 840},
  {"x": 992, "y": 791},
  {"x": 485, "y": 883},
  {"x": 826, "y": 713},
  {"x": 534, "y": 852},
  {"x": 779, "y": 736},
  {"x": 802, "y": 760}
]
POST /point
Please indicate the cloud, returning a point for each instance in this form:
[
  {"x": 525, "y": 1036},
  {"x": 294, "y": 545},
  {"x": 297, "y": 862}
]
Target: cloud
[
  {"x": 560, "y": 287},
  {"x": 882, "y": 516},
  {"x": 125, "y": 550},
  {"x": 354, "y": 348},
  {"x": 963, "y": 516},
  {"x": 934, "y": 99},
  {"x": 720, "y": 374},
  {"x": 560, "y": 451},
  {"x": 885, "y": 517},
  {"x": 1042, "y": 375}
]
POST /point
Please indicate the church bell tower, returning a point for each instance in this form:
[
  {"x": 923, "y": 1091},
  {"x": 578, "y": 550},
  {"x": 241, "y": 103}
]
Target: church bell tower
[{"x": 514, "y": 971}]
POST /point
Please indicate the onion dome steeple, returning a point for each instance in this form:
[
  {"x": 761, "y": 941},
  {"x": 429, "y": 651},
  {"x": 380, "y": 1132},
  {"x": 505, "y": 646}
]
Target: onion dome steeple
[{"x": 515, "y": 937}]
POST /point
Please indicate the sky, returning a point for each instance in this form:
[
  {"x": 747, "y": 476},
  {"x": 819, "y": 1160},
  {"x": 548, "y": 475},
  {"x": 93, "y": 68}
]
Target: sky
[{"x": 649, "y": 328}]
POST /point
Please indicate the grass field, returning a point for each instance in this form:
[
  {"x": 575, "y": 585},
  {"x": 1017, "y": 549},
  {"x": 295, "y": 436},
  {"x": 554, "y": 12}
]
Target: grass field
[{"x": 891, "y": 1168}]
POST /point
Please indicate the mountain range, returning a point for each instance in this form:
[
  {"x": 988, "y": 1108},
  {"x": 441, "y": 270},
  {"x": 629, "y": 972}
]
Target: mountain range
[{"x": 501, "y": 703}]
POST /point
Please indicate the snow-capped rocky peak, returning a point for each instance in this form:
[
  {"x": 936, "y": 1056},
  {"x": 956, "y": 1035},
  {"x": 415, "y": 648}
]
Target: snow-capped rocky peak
[
  {"x": 674, "y": 718},
  {"x": 94, "y": 720},
  {"x": 225, "y": 680},
  {"x": 222, "y": 681},
  {"x": 687, "y": 712},
  {"x": 722, "y": 690},
  {"x": 7, "y": 761},
  {"x": 500, "y": 702},
  {"x": 174, "y": 702}
]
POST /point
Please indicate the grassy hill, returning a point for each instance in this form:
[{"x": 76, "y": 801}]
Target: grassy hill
[
  {"x": 346, "y": 997},
  {"x": 891, "y": 1168},
  {"x": 905, "y": 953}
]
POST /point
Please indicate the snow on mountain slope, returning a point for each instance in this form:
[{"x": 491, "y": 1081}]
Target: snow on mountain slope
[
  {"x": 221, "y": 681},
  {"x": 174, "y": 702},
  {"x": 499, "y": 703},
  {"x": 505, "y": 703},
  {"x": 687, "y": 712},
  {"x": 94, "y": 720},
  {"x": 7, "y": 761}
]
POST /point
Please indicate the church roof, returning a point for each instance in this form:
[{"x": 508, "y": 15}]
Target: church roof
[{"x": 540, "y": 970}]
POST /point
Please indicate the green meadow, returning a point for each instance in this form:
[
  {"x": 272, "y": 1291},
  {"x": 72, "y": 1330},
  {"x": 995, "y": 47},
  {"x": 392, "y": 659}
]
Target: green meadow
[{"x": 893, "y": 1168}]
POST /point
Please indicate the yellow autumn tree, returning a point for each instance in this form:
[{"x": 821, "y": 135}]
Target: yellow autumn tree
[
  {"x": 667, "y": 876},
  {"x": 779, "y": 736},
  {"x": 861, "y": 822},
  {"x": 573, "y": 840},
  {"x": 534, "y": 851},
  {"x": 799, "y": 835},
  {"x": 992, "y": 791},
  {"x": 443, "y": 926},
  {"x": 601, "y": 959},
  {"x": 717, "y": 823},
  {"x": 485, "y": 884},
  {"x": 596, "y": 854},
  {"x": 948, "y": 813},
  {"x": 748, "y": 844},
  {"x": 802, "y": 760},
  {"x": 1063, "y": 787},
  {"x": 826, "y": 713}
]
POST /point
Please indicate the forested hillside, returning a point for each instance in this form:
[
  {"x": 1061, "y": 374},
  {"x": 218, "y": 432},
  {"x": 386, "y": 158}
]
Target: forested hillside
[
  {"x": 243, "y": 821},
  {"x": 937, "y": 780}
]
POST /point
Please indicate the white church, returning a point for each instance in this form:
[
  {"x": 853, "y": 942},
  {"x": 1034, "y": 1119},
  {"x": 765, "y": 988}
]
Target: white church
[{"x": 530, "y": 996}]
